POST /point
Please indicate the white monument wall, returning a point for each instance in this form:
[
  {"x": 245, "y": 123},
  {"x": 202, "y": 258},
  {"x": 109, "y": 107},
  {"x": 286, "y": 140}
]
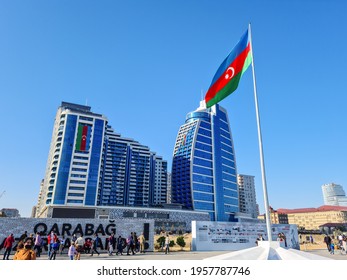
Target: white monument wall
[{"x": 229, "y": 236}]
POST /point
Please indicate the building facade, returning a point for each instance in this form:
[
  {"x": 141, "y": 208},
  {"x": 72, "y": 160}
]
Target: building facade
[
  {"x": 10, "y": 212},
  {"x": 203, "y": 173},
  {"x": 313, "y": 218},
  {"x": 168, "y": 194},
  {"x": 334, "y": 194},
  {"x": 276, "y": 217},
  {"x": 89, "y": 164},
  {"x": 132, "y": 174},
  {"x": 247, "y": 196},
  {"x": 74, "y": 159}
]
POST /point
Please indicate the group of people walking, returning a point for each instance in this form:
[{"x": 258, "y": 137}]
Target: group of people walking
[
  {"x": 30, "y": 247},
  {"x": 341, "y": 243},
  {"x": 132, "y": 244}
]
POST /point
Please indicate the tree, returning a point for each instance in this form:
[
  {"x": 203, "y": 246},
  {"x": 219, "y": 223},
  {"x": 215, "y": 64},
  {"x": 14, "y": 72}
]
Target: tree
[{"x": 180, "y": 242}]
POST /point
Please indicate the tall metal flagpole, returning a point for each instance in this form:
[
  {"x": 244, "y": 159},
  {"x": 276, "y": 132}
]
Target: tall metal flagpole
[{"x": 266, "y": 200}]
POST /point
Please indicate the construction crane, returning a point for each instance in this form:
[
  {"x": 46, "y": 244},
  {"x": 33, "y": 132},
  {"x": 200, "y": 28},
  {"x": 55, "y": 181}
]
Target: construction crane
[{"x": 2, "y": 194}]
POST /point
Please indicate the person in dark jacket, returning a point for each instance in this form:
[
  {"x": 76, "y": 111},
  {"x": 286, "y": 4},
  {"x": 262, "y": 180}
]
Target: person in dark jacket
[
  {"x": 327, "y": 240},
  {"x": 96, "y": 242},
  {"x": 120, "y": 244},
  {"x": 23, "y": 236}
]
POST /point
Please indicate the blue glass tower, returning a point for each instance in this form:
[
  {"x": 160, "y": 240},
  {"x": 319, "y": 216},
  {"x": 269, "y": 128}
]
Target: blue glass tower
[{"x": 203, "y": 169}]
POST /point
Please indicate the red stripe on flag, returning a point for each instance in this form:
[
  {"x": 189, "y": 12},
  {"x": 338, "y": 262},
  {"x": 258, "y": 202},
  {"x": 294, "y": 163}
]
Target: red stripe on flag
[
  {"x": 84, "y": 138},
  {"x": 237, "y": 65}
]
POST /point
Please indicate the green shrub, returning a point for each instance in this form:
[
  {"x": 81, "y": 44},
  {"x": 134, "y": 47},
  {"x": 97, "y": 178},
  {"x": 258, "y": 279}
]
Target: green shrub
[
  {"x": 161, "y": 241},
  {"x": 180, "y": 242},
  {"x": 172, "y": 243}
]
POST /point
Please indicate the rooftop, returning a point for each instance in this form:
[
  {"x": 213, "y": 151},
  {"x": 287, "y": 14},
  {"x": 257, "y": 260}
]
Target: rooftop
[{"x": 323, "y": 208}]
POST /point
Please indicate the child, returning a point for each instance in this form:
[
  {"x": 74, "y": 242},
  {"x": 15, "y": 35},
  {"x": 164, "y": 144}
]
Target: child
[
  {"x": 55, "y": 248},
  {"x": 72, "y": 251},
  {"x": 332, "y": 247}
]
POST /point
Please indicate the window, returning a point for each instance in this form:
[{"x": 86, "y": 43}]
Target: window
[
  {"x": 198, "y": 205},
  {"x": 74, "y": 201},
  {"x": 203, "y": 147},
  {"x": 201, "y": 170},
  {"x": 203, "y": 196},
  {"x": 204, "y": 139},
  {"x": 79, "y": 169},
  {"x": 76, "y": 194},
  {"x": 205, "y": 125},
  {"x": 202, "y": 179},
  {"x": 80, "y": 163},
  {"x": 76, "y": 188},
  {"x": 202, "y": 154},
  {"x": 202, "y": 162},
  {"x": 205, "y": 132},
  {"x": 202, "y": 187},
  {"x": 77, "y": 182}
]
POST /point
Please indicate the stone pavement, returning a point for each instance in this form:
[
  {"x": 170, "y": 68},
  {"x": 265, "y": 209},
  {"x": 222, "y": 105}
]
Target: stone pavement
[
  {"x": 178, "y": 255},
  {"x": 338, "y": 255}
]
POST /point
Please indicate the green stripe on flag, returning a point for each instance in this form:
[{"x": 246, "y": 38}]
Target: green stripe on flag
[
  {"x": 79, "y": 137},
  {"x": 225, "y": 91},
  {"x": 248, "y": 61},
  {"x": 232, "y": 85}
]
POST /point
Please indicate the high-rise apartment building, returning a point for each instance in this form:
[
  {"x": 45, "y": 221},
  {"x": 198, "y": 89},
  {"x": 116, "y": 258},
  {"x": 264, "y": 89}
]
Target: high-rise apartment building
[
  {"x": 74, "y": 159},
  {"x": 132, "y": 174},
  {"x": 203, "y": 173},
  {"x": 247, "y": 196},
  {"x": 334, "y": 194},
  {"x": 89, "y": 164},
  {"x": 168, "y": 194}
]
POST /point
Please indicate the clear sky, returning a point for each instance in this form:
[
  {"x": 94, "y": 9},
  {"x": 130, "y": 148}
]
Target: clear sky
[{"x": 146, "y": 64}]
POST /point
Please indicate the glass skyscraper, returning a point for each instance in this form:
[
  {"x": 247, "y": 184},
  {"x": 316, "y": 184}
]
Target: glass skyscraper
[
  {"x": 333, "y": 194},
  {"x": 203, "y": 169},
  {"x": 90, "y": 165}
]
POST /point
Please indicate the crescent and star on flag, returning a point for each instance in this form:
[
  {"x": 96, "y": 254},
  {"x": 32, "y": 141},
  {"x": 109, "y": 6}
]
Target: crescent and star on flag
[{"x": 229, "y": 73}]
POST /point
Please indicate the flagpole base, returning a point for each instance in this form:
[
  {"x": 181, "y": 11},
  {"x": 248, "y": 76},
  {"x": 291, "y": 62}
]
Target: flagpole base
[{"x": 268, "y": 250}]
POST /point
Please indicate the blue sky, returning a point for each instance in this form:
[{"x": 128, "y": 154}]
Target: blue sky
[{"x": 146, "y": 64}]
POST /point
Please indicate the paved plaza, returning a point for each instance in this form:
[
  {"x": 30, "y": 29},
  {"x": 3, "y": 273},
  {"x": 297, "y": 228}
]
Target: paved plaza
[{"x": 177, "y": 255}]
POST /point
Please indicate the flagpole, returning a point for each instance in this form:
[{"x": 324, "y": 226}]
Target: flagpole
[{"x": 266, "y": 200}]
